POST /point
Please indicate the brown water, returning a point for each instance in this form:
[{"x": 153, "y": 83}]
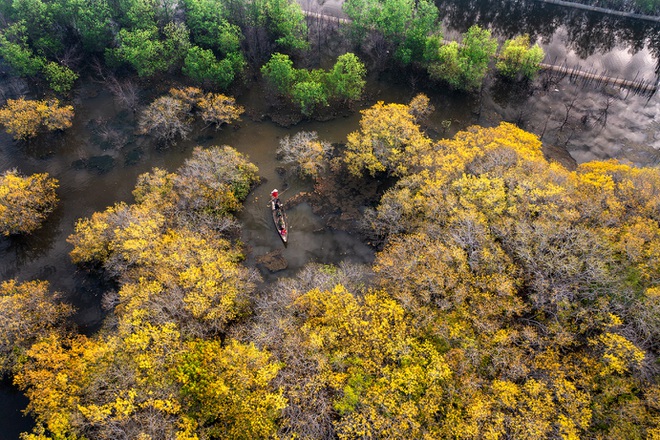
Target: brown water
[
  {"x": 309, "y": 240},
  {"x": 98, "y": 160}
]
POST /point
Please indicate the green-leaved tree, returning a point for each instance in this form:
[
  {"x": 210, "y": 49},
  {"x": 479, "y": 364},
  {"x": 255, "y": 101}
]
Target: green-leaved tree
[{"x": 519, "y": 58}]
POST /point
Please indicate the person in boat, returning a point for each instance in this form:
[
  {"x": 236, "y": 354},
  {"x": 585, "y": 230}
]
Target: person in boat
[
  {"x": 280, "y": 223},
  {"x": 276, "y": 200}
]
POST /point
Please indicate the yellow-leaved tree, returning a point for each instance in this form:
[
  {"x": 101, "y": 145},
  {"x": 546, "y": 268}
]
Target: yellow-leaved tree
[
  {"x": 226, "y": 391},
  {"x": 54, "y": 374},
  {"x": 28, "y": 312},
  {"x": 143, "y": 381},
  {"x": 387, "y": 382},
  {"x": 25, "y": 119},
  {"x": 522, "y": 269},
  {"x": 25, "y": 201},
  {"x": 172, "y": 240},
  {"x": 219, "y": 109},
  {"x": 511, "y": 298},
  {"x": 161, "y": 366},
  {"x": 389, "y": 140}
]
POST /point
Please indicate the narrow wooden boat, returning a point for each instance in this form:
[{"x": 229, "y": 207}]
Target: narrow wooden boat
[{"x": 279, "y": 218}]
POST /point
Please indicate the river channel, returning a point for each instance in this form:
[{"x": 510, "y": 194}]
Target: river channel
[{"x": 98, "y": 160}]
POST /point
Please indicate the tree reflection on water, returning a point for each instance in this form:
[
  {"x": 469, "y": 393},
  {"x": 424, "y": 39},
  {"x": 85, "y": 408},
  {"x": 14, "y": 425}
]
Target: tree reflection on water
[{"x": 587, "y": 32}]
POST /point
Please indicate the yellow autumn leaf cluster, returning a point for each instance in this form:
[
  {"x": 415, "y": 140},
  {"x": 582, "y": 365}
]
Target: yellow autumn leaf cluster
[
  {"x": 168, "y": 272},
  {"x": 387, "y": 382},
  {"x": 24, "y": 119},
  {"x": 503, "y": 258},
  {"x": 227, "y": 389},
  {"x": 511, "y": 298},
  {"x": 54, "y": 378},
  {"x": 388, "y": 140},
  {"x": 25, "y": 201},
  {"x": 219, "y": 109},
  {"x": 28, "y": 311},
  {"x": 180, "y": 286}
]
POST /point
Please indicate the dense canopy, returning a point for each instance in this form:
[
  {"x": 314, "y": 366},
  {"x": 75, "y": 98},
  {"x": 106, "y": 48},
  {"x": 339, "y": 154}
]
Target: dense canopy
[
  {"x": 512, "y": 299},
  {"x": 509, "y": 298}
]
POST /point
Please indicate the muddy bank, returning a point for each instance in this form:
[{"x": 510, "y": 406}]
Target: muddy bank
[
  {"x": 272, "y": 261},
  {"x": 560, "y": 155}
]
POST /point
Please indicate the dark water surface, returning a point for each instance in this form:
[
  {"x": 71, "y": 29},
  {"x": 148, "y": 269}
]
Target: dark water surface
[{"x": 98, "y": 160}]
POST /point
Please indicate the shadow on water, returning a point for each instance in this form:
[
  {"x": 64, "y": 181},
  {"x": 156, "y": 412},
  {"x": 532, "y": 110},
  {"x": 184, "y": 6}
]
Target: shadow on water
[
  {"x": 12, "y": 421},
  {"x": 308, "y": 240},
  {"x": 97, "y": 163},
  {"x": 587, "y": 33}
]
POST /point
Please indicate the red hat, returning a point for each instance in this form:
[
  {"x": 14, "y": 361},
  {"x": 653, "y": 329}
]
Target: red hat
[{"x": 274, "y": 193}]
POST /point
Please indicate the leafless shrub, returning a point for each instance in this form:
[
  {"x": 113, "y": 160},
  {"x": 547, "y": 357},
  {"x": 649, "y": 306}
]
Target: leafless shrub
[
  {"x": 144, "y": 422},
  {"x": 126, "y": 93},
  {"x": 379, "y": 49},
  {"x": 305, "y": 152},
  {"x": 110, "y": 135},
  {"x": 207, "y": 224},
  {"x": 602, "y": 114},
  {"x": 569, "y": 106},
  {"x": 388, "y": 219},
  {"x": 166, "y": 118},
  {"x": 215, "y": 181},
  {"x": 109, "y": 300},
  {"x": 171, "y": 115},
  {"x": 72, "y": 57}
]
